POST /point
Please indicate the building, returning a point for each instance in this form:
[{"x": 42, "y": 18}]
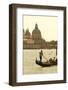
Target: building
[
  {"x": 35, "y": 40},
  {"x": 36, "y": 34}
]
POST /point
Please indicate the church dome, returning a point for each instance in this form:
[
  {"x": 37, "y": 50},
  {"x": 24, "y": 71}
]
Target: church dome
[
  {"x": 36, "y": 34},
  {"x": 27, "y": 34}
]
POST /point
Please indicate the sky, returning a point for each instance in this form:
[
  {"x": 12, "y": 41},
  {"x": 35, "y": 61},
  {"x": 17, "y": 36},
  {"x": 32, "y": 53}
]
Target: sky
[{"x": 46, "y": 24}]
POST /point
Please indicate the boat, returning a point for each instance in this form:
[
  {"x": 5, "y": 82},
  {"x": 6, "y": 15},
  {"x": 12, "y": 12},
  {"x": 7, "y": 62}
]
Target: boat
[
  {"x": 52, "y": 61},
  {"x": 48, "y": 63},
  {"x": 43, "y": 64}
]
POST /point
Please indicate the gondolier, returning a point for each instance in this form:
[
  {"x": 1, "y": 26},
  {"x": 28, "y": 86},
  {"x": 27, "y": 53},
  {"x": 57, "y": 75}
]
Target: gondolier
[{"x": 40, "y": 55}]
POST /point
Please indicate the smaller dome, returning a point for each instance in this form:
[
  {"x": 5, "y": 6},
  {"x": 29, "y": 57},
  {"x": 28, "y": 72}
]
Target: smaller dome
[{"x": 27, "y": 34}]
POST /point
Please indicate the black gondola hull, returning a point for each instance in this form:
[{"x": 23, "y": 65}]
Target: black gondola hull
[{"x": 46, "y": 64}]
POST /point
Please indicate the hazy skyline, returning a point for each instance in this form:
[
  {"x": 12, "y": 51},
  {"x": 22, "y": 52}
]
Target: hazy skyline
[{"x": 46, "y": 24}]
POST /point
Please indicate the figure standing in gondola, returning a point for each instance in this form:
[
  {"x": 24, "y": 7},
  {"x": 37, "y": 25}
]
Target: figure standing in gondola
[{"x": 40, "y": 55}]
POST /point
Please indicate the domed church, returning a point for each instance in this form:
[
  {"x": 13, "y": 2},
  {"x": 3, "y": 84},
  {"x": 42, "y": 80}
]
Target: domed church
[
  {"x": 36, "y": 34},
  {"x": 27, "y": 34},
  {"x": 35, "y": 40}
]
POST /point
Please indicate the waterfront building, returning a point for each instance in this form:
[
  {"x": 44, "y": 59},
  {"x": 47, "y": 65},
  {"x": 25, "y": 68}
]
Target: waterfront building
[{"x": 35, "y": 40}]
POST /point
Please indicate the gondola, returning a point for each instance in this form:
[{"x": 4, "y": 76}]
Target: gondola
[
  {"x": 43, "y": 64},
  {"x": 47, "y": 63}
]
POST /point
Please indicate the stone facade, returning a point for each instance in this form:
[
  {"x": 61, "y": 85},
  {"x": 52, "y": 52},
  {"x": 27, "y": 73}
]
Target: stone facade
[{"x": 35, "y": 41}]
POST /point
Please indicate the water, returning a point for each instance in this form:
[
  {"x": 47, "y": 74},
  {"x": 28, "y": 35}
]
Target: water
[{"x": 30, "y": 67}]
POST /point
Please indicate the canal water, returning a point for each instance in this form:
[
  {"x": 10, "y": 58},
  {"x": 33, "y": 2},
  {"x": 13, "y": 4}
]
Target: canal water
[{"x": 29, "y": 65}]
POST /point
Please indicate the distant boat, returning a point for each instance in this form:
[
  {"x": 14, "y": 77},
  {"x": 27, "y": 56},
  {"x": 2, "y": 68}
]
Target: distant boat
[{"x": 49, "y": 63}]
